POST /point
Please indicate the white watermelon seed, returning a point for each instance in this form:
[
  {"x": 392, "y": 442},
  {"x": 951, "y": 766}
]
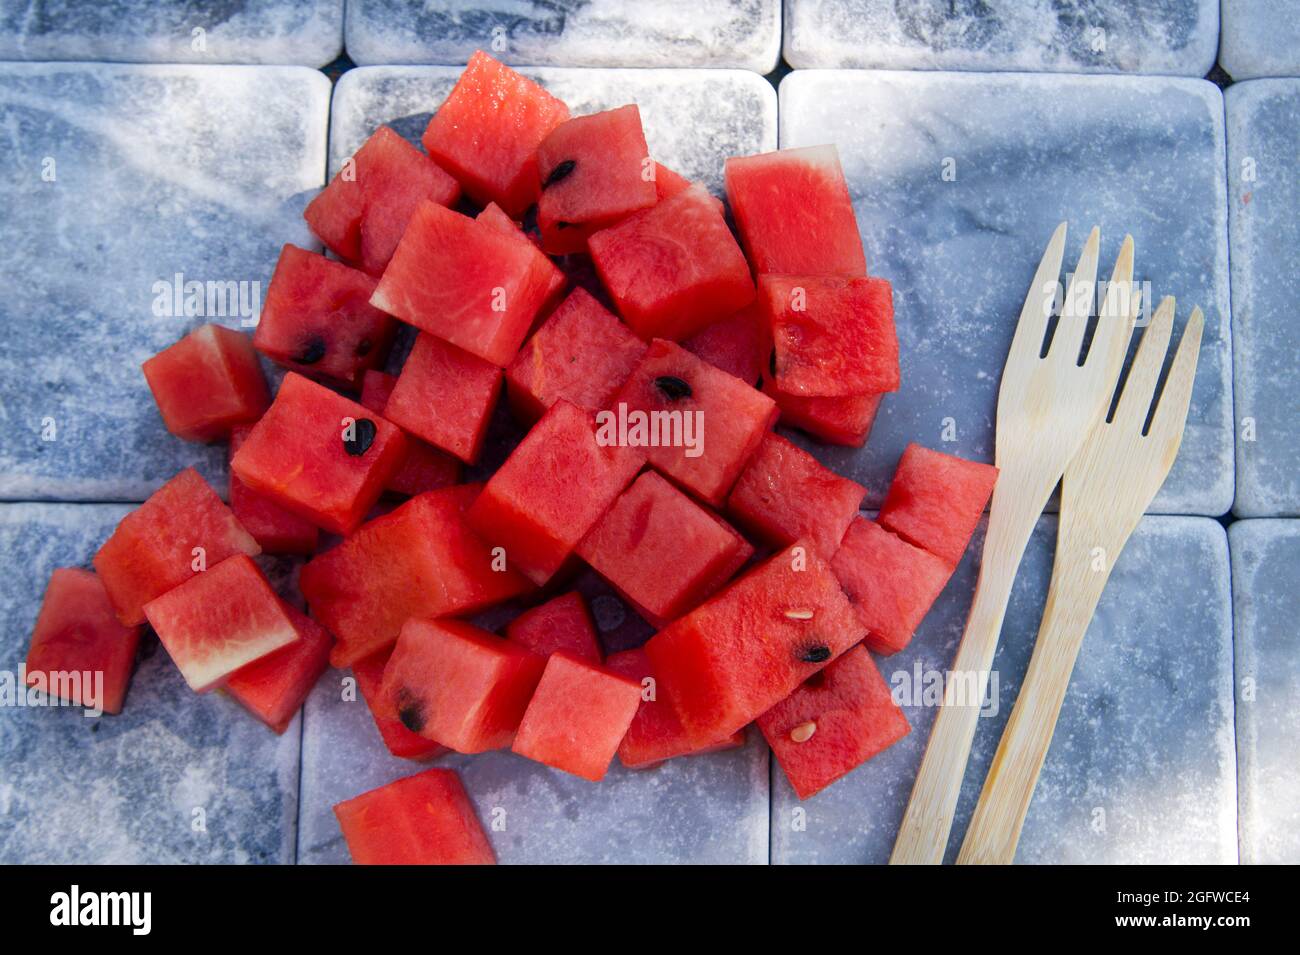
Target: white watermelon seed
[{"x": 803, "y": 732}]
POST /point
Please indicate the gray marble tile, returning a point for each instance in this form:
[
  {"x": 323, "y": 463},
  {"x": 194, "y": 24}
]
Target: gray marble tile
[
  {"x": 654, "y": 33},
  {"x": 1141, "y": 769},
  {"x": 1069, "y": 36},
  {"x": 701, "y": 809},
  {"x": 958, "y": 181},
  {"x": 1266, "y": 606},
  {"x": 176, "y": 777},
  {"x": 121, "y": 179},
  {"x": 307, "y": 32},
  {"x": 1260, "y": 38},
  {"x": 1263, "y": 118}
]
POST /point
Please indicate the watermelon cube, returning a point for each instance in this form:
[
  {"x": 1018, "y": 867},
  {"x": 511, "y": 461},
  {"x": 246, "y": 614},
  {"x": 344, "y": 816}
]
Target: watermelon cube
[
  {"x": 445, "y": 396},
  {"x": 595, "y": 170},
  {"x": 77, "y": 633},
  {"x": 577, "y": 717},
  {"x": 182, "y": 527},
  {"x": 425, "y": 819},
  {"x": 562, "y": 623},
  {"x": 364, "y": 210},
  {"x": 420, "y": 560},
  {"x": 669, "y": 183},
  {"x": 424, "y": 468},
  {"x": 274, "y": 688},
  {"x": 785, "y": 494},
  {"x": 740, "y": 653},
  {"x": 207, "y": 383},
  {"x": 582, "y": 352},
  {"x": 935, "y": 501},
  {"x": 220, "y": 621},
  {"x": 457, "y": 684},
  {"x": 656, "y": 733},
  {"x": 833, "y": 723},
  {"x": 276, "y": 530},
  {"x": 319, "y": 455},
  {"x": 401, "y": 742},
  {"x": 556, "y": 280},
  {"x": 794, "y": 212},
  {"x": 318, "y": 319},
  {"x": 844, "y": 421},
  {"x": 709, "y": 421},
  {"x": 890, "y": 583},
  {"x": 833, "y": 336},
  {"x": 551, "y": 490},
  {"x": 661, "y": 550},
  {"x": 486, "y": 133},
  {"x": 673, "y": 268},
  {"x": 737, "y": 344},
  {"x": 467, "y": 282}
]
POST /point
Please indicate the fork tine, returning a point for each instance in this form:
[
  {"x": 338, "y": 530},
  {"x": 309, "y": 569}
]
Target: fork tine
[
  {"x": 1140, "y": 388},
  {"x": 1171, "y": 412},
  {"x": 1076, "y": 310},
  {"x": 1028, "y": 340}
]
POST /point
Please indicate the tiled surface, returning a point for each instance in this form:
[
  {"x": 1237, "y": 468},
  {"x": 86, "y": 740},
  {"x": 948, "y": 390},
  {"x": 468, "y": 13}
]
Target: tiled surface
[
  {"x": 123, "y": 178},
  {"x": 958, "y": 181},
  {"x": 1141, "y": 769},
  {"x": 1260, "y": 38},
  {"x": 1264, "y": 203},
  {"x": 1070, "y": 36},
  {"x": 1266, "y": 606},
  {"x": 654, "y": 33},
  {"x": 306, "y": 32}
]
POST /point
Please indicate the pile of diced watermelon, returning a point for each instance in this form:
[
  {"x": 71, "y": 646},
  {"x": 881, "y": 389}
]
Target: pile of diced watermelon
[{"x": 650, "y": 397}]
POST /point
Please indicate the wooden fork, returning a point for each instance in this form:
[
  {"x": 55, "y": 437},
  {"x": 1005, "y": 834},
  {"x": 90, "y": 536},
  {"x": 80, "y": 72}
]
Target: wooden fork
[
  {"x": 1106, "y": 489},
  {"x": 1047, "y": 404}
]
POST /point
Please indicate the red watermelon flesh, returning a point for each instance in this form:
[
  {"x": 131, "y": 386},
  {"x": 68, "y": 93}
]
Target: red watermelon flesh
[
  {"x": 207, "y": 383},
  {"x": 577, "y": 717},
  {"x": 460, "y": 685},
  {"x": 785, "y": 494},
  {"x": 77, "y": 632},
  {"x": 445, "y": 395},
  {"x": 935, "y": 501},
  {"x": 551, "y": 490},
  {"x": 220, "y": 621},
  {"x": 727, "y": 418},
  {"x": 487, "y": 132},
  {"x": 595, "y": 170},
  {"x": 833, "y": 336},
  {"x": 158, "y": 545},
  {"x": 424, "y": 468},
  {"x": 276, "y": 530},
  {"x": 556, "y": 280},
  {"x": 843, "y": 421},
  {"x": 674, "y": 268},
  {"x": 320, "y": 455},
  {"x": 582, "y": 353},
  {"x": 318, "y": 319},
  {"x": 562, "y": 623},
  {"x": 656, "y": 732},
  {"x": 274, "y": 688},
  {"x": 794, "y": 212},
  {"x": 739, "y": 654},
  {"x": 401, "y": 742},
  {"x": 737, "y": 344},
  {"x": 364, "y": 210},
  {"x": 420, "y": 560},
  {"x": 834, "y": 723},
  {"x": 425, "y": 819},
  {"x": 891, "y": 584},
  {"x": 661, "y": 550},
  {"x": 467, "y": 282},
  {"x": 669, "y": 183}
]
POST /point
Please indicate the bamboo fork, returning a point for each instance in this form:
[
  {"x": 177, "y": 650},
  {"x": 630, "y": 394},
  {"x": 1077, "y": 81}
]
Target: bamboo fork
[
  {"x": 1106, "y": 489},
  {"x": 1046, "y": 407}
]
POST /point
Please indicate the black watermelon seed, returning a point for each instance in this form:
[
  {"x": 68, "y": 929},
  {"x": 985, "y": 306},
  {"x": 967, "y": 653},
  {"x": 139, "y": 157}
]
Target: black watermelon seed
[
  {"x": 772, "y": 363},
  {"x": 363, "y": 347},
  {"x": 410, "y": 710},
  {"x": 363, "y": 435},
  {"x": 313, "y": 350},
  {"x": 816, "y": 654},
  {"x": 563, "y": 225},
  {"x": 560, "y": 172},
  {"x": 673, "y": 387}
]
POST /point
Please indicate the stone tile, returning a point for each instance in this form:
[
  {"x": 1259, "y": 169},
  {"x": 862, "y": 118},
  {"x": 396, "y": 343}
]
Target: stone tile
[
  {"x": 1077, "y": 36},
  {"x": 1263, "y": 119},
  {"x": 174, "y": 778},
  {"x": 1266, "y": 605},
  {"x": 1139, "y": 155},
  {"x": 1260, "y": 38},
  {"x": 650, "y": 33},
  {"x": 306, "y": 32},
  {"x": 123, "y": 178},
  {"x": 1141, "y": 769}
]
